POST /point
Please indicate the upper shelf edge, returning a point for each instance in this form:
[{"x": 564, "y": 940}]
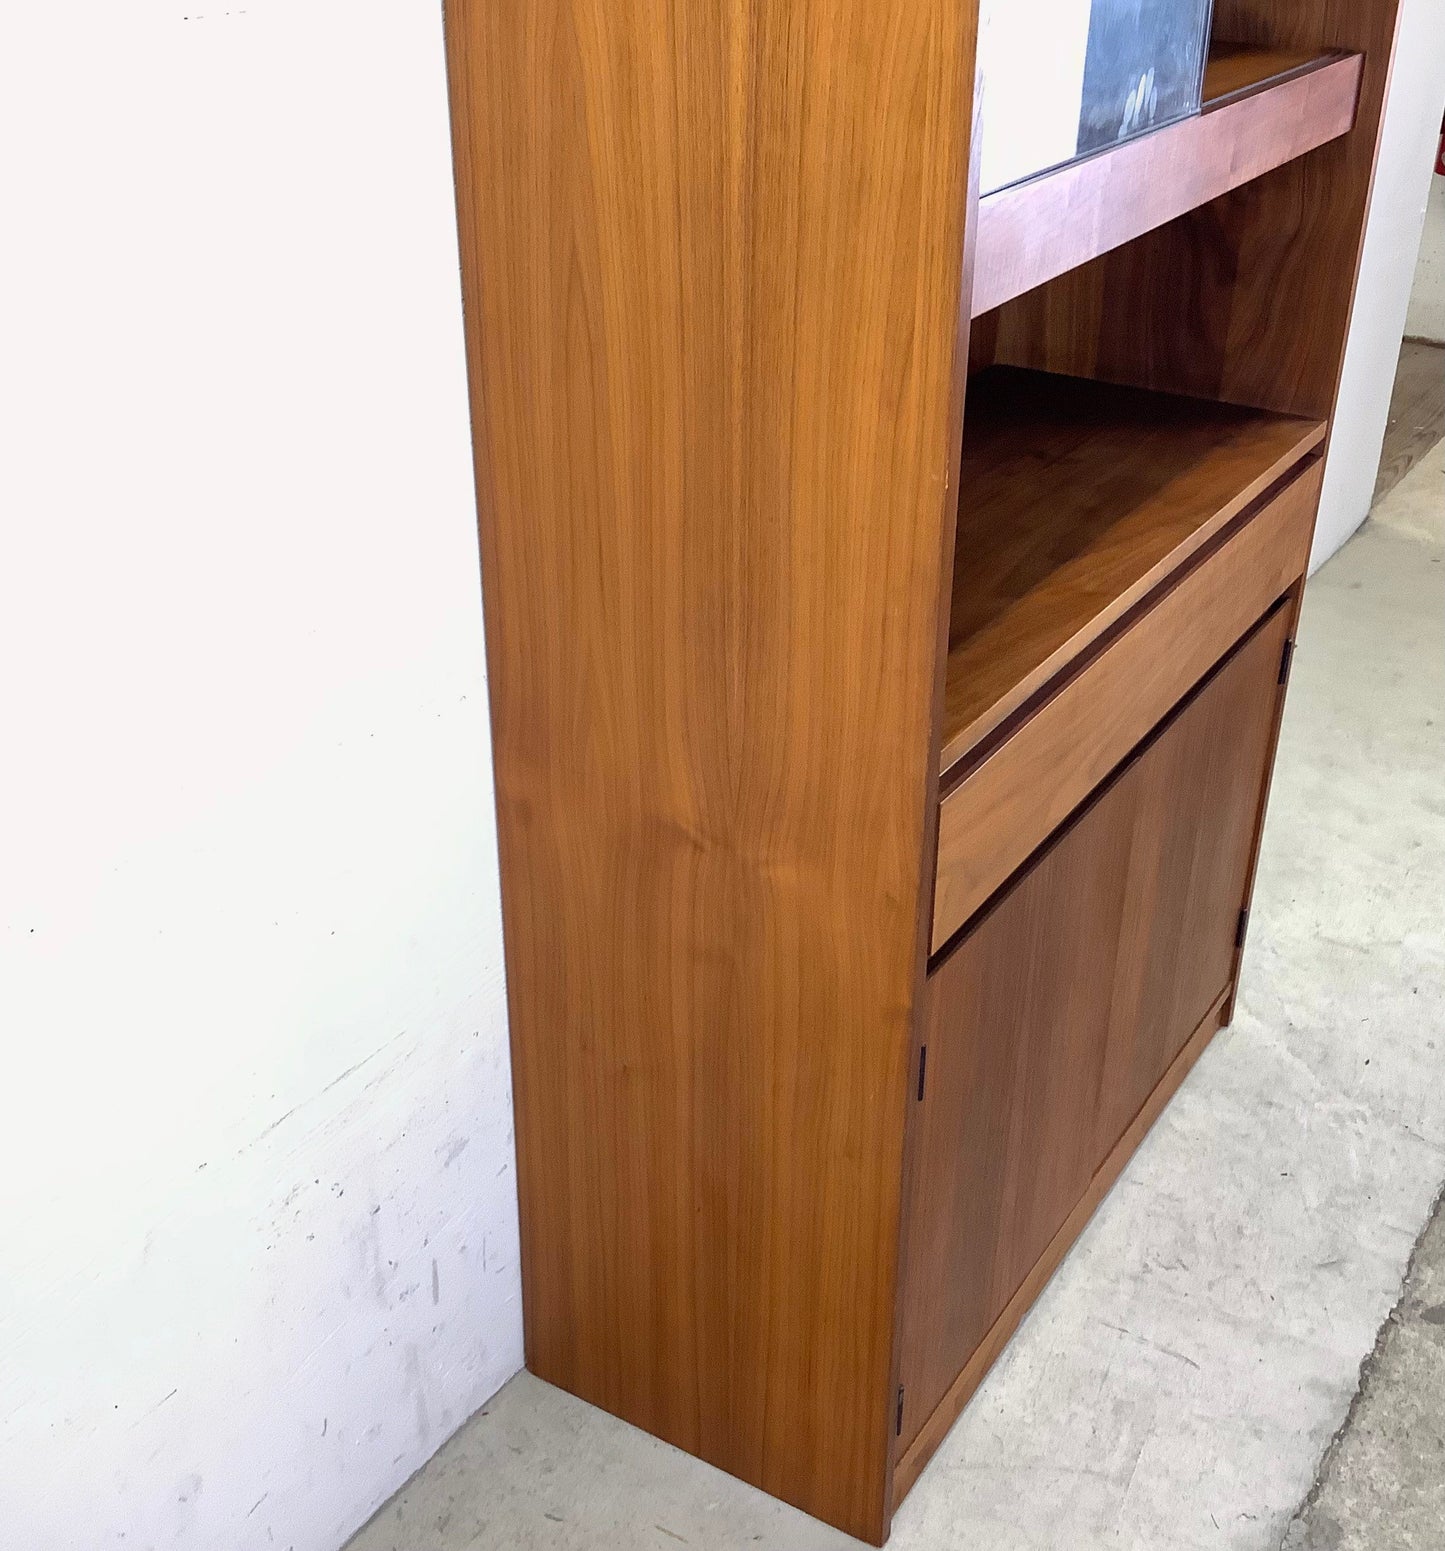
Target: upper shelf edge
[{"x": 1032, "y": 232}]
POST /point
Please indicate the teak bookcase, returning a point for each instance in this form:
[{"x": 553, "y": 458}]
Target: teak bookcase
[{"x": 889, "y": 598}]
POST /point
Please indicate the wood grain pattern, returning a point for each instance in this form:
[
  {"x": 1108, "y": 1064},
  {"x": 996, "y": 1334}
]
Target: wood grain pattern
[
  {"x": 1186, "y": 887},
  {"x": 1008, "y": 804},
  {"x": 1195, "y": 306},
  {"x": 1233, "y": 69},
  {"x": 913, "y": 1458},
  {"x": 930, "y": 830},
  {"x": 1034, "y": 231},
  {"x": 712, "y": 259},
  {"x": 1080, "y": 499},
  {"x": 1053, "y": 1021}
]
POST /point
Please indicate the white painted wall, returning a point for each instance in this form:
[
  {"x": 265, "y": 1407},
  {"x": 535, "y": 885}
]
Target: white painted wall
[
  {"x": 259, "y": 1250},
  {"x": 1387, "y": 266},
  {"x": 1426, "y": 317},
  {"x": 1031, "y": 59}
]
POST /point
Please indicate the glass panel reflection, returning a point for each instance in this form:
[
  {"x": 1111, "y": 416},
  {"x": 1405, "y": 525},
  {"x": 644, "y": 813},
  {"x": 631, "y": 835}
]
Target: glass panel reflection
[{"x": 1062, "y": 78}]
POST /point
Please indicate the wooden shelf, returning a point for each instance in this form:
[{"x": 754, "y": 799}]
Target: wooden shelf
[
  {"x": 1078, "y": 498},
  {"x": 1263, "y": 108},
  {"x": 1235, "y": 70}
]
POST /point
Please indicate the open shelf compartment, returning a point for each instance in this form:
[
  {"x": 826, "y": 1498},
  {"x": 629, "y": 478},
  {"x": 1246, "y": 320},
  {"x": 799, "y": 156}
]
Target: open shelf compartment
[
  {"x": 1077, "y": 499},
  {"x": 1262, "y": 108},
  {"x": 1235, "y": 70}
]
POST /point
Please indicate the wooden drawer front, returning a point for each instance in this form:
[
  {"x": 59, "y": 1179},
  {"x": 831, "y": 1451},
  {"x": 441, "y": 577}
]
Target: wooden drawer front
[
  {"x": 1006, "y": 807},
  {"x": 1050, "y": 1025}
]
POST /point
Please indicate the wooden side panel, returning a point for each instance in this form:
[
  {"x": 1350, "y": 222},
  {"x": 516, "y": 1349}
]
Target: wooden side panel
[
  {"x": 1195, "y": 306},
  {"x": 711, "y": 255},
  {"x": 1051, "y": 1023}
]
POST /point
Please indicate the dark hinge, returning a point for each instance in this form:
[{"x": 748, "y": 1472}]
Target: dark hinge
[
  {"x": 1239, "y": 930},
  {"x": 898, "y": 1420},
  {"x": 922, "y": 1069},
  {"x": 1286, "y": 657}
]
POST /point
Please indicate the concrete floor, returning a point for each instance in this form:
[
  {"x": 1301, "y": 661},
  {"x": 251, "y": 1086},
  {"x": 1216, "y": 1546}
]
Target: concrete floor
[
  {"x": 1181, "y": 1379},
  {"x": 1382, "y": 1484},
  {"x": 1382, "y": 1481},
  {"x": 1417, "y": 411}
]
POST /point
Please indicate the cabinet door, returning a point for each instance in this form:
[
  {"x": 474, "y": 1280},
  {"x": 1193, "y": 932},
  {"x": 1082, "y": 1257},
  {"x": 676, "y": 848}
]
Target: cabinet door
[{"x": 1052, "y": 1021}]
